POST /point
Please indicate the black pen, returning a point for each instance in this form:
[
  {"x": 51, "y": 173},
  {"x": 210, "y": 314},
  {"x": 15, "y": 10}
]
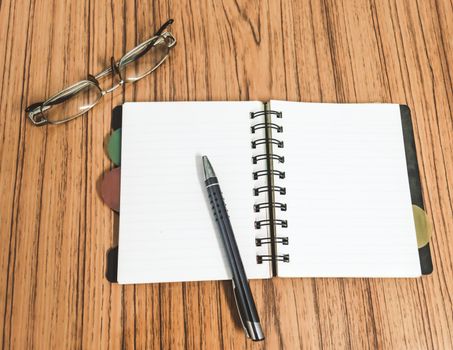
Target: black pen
[{"x": 241, "y": 289}]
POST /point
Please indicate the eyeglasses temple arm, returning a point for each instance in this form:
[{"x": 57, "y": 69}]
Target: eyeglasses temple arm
[
  {"x": 164, "y": 26},
  {"x": 151, "y": 44},
  {"x": 33, "y": 106}
]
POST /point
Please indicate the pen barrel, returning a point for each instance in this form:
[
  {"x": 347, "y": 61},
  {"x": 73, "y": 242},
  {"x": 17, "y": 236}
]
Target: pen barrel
[{"x": 242, "y": 290}]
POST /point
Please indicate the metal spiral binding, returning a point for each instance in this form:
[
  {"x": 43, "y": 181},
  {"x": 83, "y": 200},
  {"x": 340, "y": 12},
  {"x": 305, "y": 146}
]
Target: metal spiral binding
[
  {"x": 257, "y": 174},
  {"x": 279, "y": 189},
  {"x": 268, "y": 240},
  {"x": 263, "y": 141},
  {"x": 271, "y": 205},
  {"x": 259, "y": 157},
  {"x": 259, "y": 206},
  {"x": 267, "y": 222},
  {"x": 274, "y": 126},
  {"x": 262, "y": 258},
  {"x": 253, "y": 115}
]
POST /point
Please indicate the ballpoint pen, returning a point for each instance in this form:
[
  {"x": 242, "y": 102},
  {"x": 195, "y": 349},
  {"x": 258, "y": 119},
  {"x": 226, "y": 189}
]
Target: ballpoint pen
[{"x": 241, "y": 289}]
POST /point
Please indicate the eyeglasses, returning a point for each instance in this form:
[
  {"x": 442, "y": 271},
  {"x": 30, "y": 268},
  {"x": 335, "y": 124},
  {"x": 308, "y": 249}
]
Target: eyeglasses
[{"x": 78, "y": 99}]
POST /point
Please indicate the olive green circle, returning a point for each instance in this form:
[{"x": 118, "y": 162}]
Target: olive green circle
[
  {"x": 114, "y": 147},
  {"x": 423, "y": 226}
]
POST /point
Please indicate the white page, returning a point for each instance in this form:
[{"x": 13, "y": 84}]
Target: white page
[
  {"x": 167, "y": 233},
  {"x": 349, "y": 207}
]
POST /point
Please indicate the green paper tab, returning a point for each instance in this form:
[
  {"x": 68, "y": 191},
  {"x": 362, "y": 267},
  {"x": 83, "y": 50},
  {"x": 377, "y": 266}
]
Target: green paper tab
[{"x": 114, "y": 147}]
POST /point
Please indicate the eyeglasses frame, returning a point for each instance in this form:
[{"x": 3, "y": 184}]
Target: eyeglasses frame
[{"x": 39, "y": 108}]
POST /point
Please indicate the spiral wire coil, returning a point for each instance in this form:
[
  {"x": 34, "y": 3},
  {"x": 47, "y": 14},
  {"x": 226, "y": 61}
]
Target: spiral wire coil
[{"x": 275, "y": 174}]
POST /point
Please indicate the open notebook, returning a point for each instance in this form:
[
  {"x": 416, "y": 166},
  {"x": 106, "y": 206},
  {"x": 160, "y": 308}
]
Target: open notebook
[{"x": 313, "y": 190}]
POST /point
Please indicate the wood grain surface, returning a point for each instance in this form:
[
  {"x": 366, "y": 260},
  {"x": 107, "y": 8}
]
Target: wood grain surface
[{"x": 55, "y": 229}]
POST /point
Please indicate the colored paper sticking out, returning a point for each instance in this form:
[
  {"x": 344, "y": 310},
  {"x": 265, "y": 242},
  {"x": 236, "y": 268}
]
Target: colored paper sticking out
[
  {"x": 423, "y": 226},
  {"x": 110, "y": 188},
  {"x": 114, "y": 147}
]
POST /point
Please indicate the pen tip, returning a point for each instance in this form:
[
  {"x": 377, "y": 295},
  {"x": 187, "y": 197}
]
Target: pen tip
[{"x": 207, "y": 167}]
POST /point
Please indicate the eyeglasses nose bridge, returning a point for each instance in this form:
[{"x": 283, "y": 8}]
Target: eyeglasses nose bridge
[{"x": 115, "y": 71}]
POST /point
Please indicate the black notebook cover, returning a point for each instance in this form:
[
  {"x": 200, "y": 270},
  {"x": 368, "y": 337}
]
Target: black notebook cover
[
  {"x": 414, "y": 181},
  {"x": 414, "y": 184}
]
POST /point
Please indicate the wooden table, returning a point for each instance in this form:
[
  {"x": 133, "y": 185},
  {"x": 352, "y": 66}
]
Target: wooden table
[{"x": 55, "y": 229}]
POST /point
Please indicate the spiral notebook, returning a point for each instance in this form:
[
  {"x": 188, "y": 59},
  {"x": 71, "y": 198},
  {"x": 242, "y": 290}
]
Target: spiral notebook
[{"x": 312, "y": 190}]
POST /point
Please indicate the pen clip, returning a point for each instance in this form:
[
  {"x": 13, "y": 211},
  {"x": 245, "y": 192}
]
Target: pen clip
[{"x": 240, "y": 311}]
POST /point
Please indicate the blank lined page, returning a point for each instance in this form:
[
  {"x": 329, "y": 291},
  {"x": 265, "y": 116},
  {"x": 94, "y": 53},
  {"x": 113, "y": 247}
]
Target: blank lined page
[
  {"x": 349, "y": 207},
  {"x": 167, "y": 233}
]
